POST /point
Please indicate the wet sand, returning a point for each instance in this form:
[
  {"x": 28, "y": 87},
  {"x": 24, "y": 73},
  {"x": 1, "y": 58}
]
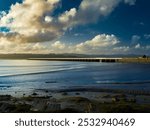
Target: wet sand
[{"x": 77, "y": 100}]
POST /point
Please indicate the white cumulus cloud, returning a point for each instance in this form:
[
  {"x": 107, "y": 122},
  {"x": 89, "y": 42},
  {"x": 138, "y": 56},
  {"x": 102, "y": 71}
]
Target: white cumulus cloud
[
  {"x": 32, "y": 21},
  {"x": 28, "y": 23},
  {"x": 135, "y": 39},
  {"x": 98, "y": 43},
  {"x": 137, "y": 46},
  {"x": 130, "y": 2}
]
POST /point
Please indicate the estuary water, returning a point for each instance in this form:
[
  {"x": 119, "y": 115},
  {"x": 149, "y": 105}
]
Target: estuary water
[{"x": 25, "y": 76}]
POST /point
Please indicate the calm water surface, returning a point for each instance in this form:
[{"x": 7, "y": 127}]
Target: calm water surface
[{"x": 28, "y": 75}]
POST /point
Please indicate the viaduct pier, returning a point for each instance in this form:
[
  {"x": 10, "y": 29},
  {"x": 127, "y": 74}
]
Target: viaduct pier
[{"x": 80, "y": 59}]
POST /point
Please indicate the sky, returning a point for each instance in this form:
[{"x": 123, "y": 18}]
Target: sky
[{"x": 75, "y": 26}]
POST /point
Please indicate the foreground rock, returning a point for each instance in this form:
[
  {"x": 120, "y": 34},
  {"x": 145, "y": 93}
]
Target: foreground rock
[{"x": 107, "y": 103}]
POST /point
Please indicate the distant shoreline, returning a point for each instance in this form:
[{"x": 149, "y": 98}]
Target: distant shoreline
[
  {"x": 111, "y": 60},
  {"x": 102, "y": 60}
]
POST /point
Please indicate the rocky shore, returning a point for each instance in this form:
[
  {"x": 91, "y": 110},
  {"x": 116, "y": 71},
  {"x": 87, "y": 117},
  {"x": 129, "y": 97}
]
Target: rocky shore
[{"x": 74, "y": 101}]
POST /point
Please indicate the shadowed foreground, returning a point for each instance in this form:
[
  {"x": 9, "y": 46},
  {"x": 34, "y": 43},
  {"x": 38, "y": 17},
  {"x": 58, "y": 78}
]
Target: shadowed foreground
[{"x": 77, "y": 101}]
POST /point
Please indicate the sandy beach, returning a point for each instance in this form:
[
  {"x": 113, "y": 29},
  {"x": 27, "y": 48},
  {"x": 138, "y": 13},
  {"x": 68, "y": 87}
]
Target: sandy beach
[{"x": 77, "y": 100}]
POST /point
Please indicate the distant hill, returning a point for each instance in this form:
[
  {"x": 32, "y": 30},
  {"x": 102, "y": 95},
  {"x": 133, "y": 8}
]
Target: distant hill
[
  {"x": 66, "y": 55},
  {"x": 26, "y": 56}
]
